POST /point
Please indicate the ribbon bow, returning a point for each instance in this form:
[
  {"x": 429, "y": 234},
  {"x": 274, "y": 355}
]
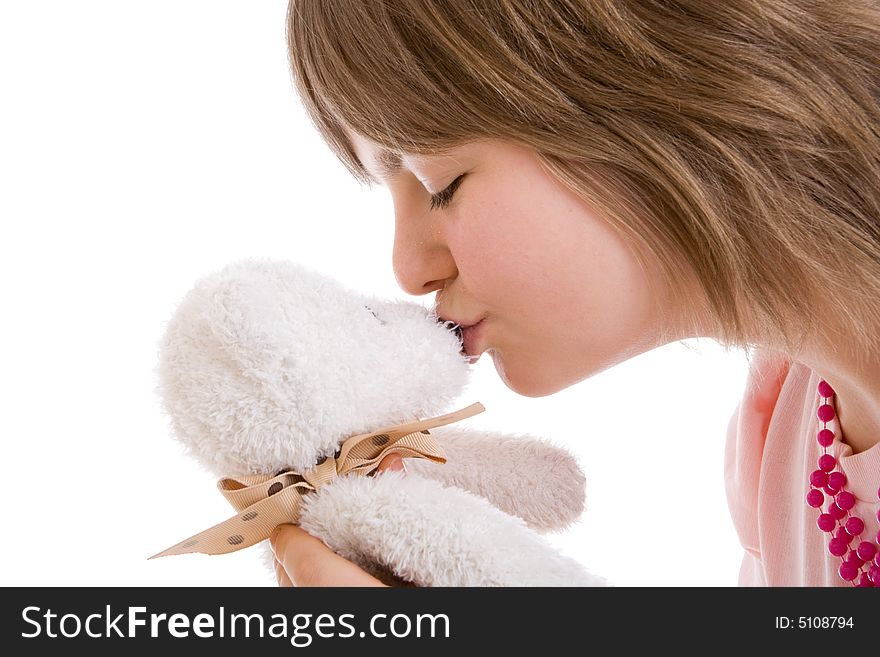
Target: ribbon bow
[{"x": 265, "y": 501}]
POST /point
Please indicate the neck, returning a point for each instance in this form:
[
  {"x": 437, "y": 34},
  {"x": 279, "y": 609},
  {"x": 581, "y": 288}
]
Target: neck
[
  {"x": 856, "y": 383},
  {"x": 854, "y": 375}
]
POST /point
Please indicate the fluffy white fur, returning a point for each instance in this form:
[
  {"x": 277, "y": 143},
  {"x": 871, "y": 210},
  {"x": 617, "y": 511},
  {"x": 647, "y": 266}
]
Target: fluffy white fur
[
  {"x": 267, "y": 366},
  {"x": 435, "y": 535},
  {"x": 528, "y": 477}
]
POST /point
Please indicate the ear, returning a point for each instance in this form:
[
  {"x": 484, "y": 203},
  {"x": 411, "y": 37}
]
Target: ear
[{"x": 521, "y": 475}]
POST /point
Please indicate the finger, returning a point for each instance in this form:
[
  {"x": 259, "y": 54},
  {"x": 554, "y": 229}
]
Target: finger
[
  {"x": 281, "y": 575},
  {"x": 392, "y": 462},
  {"x": 308, "y": 562}
]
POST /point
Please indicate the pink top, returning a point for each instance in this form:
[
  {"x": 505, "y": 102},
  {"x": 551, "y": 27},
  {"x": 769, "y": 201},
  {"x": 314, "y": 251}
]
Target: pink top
[{"x": 771, "y": 451}]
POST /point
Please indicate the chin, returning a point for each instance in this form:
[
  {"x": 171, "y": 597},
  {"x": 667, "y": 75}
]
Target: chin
[{"x": 529, "y": 385}]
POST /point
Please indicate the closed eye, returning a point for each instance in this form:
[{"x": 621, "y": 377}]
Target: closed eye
[{"x": 444, "y": 198}]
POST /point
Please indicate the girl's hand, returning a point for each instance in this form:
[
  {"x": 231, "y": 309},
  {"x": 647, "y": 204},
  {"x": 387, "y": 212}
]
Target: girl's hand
[{"x": 303, "y": 560}]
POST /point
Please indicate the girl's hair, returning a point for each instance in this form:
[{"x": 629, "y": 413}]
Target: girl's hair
[{"x": 735, "y": 142}]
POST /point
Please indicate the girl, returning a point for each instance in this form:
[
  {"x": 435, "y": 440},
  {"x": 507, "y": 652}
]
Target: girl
[{"x": 592, "y": 179}]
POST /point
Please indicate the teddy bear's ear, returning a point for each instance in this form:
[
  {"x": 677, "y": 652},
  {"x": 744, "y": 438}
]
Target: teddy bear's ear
[{"x": 521, "y": 475}]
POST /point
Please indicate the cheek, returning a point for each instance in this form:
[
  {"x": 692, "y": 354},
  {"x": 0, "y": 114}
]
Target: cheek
[
  {"x": 556, "y": 276},
  {"x": 534, "y": 248},
  {"x": 492, "y": 249}
]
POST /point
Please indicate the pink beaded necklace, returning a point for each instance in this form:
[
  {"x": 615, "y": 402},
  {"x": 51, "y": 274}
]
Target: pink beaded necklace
[{"x": 860, "y": 559}]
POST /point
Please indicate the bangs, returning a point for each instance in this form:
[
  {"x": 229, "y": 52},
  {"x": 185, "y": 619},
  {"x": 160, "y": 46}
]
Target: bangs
[{"x": 377, "y": 72}]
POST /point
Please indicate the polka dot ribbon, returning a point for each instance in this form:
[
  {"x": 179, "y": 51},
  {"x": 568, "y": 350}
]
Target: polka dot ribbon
[{"x": 265, "y": 501}]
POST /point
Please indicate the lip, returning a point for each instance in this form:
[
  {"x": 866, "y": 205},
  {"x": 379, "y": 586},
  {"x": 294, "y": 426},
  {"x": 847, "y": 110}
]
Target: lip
[
  {"x": 471, "y": 332},
  {"x": 461, "y": 323},
  {"x": 472, "y": 339}
]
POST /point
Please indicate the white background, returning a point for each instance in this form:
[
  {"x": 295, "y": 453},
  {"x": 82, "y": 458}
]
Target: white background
[{"x": 145, "y": 145}]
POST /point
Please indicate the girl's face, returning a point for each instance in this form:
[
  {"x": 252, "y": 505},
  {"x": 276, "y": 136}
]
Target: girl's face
[{"x": 562, "y": 296}]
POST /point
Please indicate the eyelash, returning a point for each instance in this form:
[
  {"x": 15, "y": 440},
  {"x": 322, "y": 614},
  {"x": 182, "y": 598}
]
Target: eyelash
[{"x": 444, "y": 198}]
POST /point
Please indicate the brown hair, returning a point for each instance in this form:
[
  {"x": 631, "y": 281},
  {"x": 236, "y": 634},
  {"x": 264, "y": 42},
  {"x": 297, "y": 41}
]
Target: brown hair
[{"x": 737, "y": 138}]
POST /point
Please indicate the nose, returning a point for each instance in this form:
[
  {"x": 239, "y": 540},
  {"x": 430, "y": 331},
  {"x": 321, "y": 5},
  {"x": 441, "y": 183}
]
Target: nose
[{"x": 421, "y": 258}]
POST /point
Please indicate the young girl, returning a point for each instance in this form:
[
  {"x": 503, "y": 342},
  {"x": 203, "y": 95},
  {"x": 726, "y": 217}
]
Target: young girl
[{"x": 593, "y": 179}]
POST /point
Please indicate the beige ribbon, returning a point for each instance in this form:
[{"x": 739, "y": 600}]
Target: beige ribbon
[{"x": 265, "y": 501}]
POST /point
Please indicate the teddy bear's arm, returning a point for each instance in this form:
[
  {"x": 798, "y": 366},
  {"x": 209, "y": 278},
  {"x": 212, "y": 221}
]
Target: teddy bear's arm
[
  {"x": 434, "y": 535},
  {"x": 521, "y": 475}
]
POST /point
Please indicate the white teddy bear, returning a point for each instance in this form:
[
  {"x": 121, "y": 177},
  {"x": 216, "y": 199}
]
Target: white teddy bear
[{"x": 268, "y": 367}]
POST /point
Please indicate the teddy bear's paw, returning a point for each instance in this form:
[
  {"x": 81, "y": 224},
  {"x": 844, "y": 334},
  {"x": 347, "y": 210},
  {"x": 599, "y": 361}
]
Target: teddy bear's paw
[
  {"x": 434, "y": 535},
  {"x": 524, "y": 476}
]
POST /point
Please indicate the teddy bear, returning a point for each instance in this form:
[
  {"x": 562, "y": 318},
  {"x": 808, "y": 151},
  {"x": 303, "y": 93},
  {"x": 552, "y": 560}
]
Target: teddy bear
[{"x": 267, "y": 367}]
